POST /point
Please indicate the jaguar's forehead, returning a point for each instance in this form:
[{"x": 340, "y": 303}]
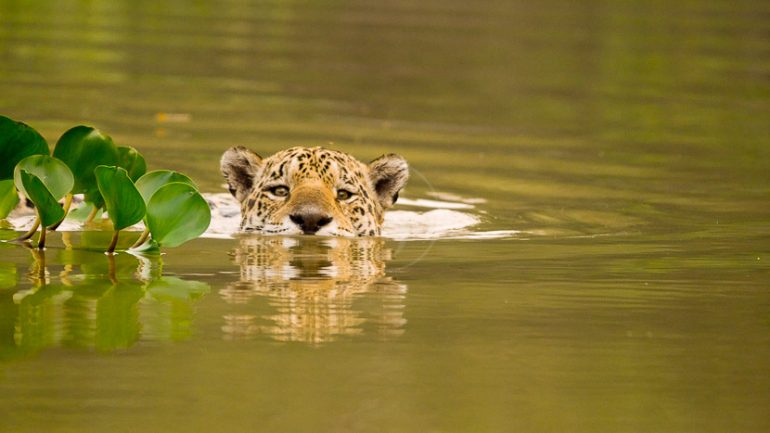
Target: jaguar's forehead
[{"x": 300, "y": 163}]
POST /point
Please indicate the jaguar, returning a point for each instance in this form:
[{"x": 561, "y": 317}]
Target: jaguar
[{"x": 312, "y": 190}]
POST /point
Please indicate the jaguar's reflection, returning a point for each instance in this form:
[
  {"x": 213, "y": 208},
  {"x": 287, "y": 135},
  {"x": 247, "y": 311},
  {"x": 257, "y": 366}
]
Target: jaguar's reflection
[{"x": 313, "y": 290}]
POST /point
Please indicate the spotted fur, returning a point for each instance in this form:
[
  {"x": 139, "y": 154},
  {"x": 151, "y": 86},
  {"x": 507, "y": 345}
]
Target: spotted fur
[{"x": 313, "y": 190}]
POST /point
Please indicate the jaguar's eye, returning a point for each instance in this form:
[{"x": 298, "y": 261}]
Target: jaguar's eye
[
  {"x": 279, "y": 191},
  {"x": 343, "y": 194}
]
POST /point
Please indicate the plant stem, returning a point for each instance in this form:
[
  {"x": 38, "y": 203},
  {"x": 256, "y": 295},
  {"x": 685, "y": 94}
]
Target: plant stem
[
  {"x": 142, "y": 238},
  {"x": 92, "y": 214},
  {"x": 31, "y": 231},
  {"x": 114, "y": 243},
  {"x": 67, "y": 204},
  {"x": 41, "y": 241}
]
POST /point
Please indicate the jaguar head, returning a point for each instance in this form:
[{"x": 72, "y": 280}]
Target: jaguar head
[{"x": 313, "y": 191}]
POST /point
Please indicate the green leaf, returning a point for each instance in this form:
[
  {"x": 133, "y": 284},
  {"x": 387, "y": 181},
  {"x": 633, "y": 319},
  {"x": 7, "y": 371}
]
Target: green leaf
[
  {"x": 55, "y": 174},
  {"x": 84, "y": 148},
  {"x": 123, "y": 201},
  {"x": 48, "y": 208},
  {"x": 177, "y": 213},
  {"x": 9, "y": 198},
  {"x": 152, "y": 181},
  {"x": 82, "y": 212},
  {"x": 18, "y": 141},
  {"x": 147, "y": 248},
  {"x": 94, "y": 197},
  {"x": 133, "y": 161}
]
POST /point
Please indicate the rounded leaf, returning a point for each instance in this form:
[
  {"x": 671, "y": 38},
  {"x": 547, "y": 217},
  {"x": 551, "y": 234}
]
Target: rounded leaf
[
  {"x": 152, "y": 181},
  {"x": 133, "y": 161},
  {"x": 123, "y": 201},
  {"x": 55, "y": 174},
  {"x": 83, "y": 211},
  {"x": 84, "y": 148},
  {"x": 9, "y": 198},
  {"x": 177, "y": 213},
  {"x": 18, "y": 141},
  {"x": 49, "y": 210}
]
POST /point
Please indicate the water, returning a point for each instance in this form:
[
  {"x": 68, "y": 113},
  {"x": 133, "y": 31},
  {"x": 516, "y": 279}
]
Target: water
[{"x": 626, "y": 142}]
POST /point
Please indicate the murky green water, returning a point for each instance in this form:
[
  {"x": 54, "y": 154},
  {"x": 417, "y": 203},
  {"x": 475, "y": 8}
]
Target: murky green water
[{"x": 629, "y": 141}]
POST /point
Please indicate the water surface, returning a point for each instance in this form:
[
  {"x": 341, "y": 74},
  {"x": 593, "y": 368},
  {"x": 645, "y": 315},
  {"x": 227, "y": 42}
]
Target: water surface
[{"x": 627, "y": 142}]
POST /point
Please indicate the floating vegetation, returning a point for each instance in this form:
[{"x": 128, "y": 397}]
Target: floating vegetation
[{"x": 86, "y": 161}]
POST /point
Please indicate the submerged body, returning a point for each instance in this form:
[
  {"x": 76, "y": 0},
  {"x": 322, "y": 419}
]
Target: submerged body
[{"x": 313, "y": 191}]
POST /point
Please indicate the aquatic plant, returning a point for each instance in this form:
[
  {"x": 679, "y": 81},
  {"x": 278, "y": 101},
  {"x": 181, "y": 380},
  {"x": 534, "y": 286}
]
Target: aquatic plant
[
  {"x": 43, "y": 180},
  {"x": 86, "y": 161},
  {"x": 125, "y": 205},
  {"x": 17, "y": 141},
  {"x": 9, "y": 199},
  {"x": 132, "y": 161},
  {"x": 177, "y": 215},
  {"x": 83, "y": 149}
]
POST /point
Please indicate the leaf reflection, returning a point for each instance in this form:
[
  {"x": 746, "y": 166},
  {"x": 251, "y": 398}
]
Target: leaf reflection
[
  {"x": 80, "y": 299},
  {"x": 316, "y": 290}
]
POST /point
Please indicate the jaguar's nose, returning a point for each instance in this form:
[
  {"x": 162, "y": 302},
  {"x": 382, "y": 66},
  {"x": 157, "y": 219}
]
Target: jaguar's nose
[{"x": 310, "y": 222}]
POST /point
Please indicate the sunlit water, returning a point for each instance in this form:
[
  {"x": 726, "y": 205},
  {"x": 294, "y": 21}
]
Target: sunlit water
[{"x": 615, "y": 155}]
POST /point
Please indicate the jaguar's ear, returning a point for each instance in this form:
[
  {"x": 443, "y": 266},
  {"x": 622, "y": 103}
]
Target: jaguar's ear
[
  {"x": 240, "y": 166},
  {"x": 388, "y": 174}
]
